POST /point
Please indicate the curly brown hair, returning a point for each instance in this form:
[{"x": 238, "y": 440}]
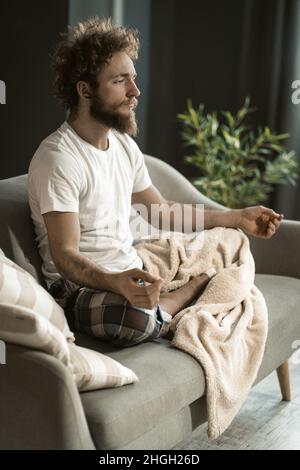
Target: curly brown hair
[{"x": 82, "y": 52}]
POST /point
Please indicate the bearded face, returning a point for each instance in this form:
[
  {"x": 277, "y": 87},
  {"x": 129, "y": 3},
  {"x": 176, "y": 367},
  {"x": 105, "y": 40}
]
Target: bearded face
[{"x": 116, "y": 116}]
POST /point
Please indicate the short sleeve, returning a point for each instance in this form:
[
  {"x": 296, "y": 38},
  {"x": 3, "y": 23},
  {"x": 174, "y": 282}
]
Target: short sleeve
[
  {"x": 142, "y": 178},
  {"x": 54, "y": 181}
]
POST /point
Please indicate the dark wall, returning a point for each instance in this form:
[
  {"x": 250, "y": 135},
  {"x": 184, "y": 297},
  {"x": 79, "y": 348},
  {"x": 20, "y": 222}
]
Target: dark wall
[
  {"x": 214, "y": 52},
  {"x": 28, "y": 31}
]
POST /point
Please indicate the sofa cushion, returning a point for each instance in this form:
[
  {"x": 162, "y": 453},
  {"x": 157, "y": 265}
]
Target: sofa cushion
[{"x": 170, "y": 379}]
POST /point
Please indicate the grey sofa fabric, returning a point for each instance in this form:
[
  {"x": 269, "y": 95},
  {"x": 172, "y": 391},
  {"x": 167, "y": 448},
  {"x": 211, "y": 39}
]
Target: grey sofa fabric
[
  {"x": 282, "y": 295},
  {"x": 169, "y": 381},
  {"x": 17, "y": 237},
  {"x": 40, "y": 407},
  {"x": 281, "y": 254}
]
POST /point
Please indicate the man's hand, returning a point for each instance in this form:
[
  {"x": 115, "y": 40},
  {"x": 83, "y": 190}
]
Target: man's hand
[
  {"x": 260, "y": 221},
  {"x": 125, "y": 283}
]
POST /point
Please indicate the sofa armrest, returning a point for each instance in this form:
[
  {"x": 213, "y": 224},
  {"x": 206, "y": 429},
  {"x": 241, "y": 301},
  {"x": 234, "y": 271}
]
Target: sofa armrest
[
  {"x": 280, "y": 254},
  {"x": 40, "y": 407}
]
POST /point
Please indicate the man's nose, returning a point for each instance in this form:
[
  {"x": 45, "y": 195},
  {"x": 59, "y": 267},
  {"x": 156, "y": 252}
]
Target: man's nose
[{"x": 134, "y": 90}]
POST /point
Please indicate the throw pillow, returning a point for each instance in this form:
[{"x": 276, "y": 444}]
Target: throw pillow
[
  {"x": 18, "y": 287},
  {"x": 93, "y": 370},
  {"x": 21, "y": 325},
  {"x": 29, "y": 316}
]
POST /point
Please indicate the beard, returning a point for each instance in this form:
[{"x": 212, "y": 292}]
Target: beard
[{"x": 111, "y": 118}]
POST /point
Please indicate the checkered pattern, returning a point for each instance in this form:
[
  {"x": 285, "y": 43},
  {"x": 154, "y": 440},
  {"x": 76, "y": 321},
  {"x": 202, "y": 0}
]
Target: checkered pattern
[{"x": 109, "y": 316}]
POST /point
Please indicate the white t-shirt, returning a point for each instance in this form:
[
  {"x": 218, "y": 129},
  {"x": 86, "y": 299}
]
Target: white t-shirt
[{"x": 67, "y": 174}]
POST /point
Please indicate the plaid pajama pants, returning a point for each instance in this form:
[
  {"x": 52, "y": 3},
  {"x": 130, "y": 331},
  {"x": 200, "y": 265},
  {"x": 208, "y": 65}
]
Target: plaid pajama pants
[{"x": 108, "y": 316}]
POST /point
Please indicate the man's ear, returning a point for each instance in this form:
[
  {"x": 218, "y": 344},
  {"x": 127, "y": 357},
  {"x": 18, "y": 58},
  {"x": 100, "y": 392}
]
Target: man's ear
[{"x": 83, "y": 89}]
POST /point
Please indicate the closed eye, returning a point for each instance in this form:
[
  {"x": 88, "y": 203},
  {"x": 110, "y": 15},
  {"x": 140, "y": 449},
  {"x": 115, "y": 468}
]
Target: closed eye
[{"x": 122, "y": 80}]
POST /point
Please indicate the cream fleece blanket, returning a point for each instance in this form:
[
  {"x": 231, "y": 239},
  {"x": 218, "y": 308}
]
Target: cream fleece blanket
[{"x": 226, "y": 329}]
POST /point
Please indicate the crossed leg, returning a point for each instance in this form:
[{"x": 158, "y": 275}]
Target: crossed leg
[{"x": 173, "y": 302}]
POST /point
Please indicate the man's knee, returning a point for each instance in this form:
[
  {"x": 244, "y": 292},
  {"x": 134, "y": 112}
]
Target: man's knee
[
  {"x": 134, "y": 328},
  {"x": 121, "y": 326}
]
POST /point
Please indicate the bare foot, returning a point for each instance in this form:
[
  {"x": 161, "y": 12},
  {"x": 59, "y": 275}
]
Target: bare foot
[{"x": 173, "y": 302}]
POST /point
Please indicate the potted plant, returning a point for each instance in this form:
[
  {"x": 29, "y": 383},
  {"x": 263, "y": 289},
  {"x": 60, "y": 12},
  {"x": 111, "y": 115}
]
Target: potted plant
[{"x": 239, "y": 166}]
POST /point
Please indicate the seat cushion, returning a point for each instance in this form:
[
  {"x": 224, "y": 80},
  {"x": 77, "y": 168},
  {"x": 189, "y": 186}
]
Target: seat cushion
[{"x": 170, "y": 379}]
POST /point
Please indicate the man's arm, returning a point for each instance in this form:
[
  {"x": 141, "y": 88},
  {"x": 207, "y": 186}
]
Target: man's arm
[
  {"x": 64, "y": 235},
  {"x": 258, "y": 221},
  {"x": 211, "y": 218}
]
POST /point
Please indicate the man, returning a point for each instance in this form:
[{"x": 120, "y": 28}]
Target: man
[{"x": 88, "y": 173}]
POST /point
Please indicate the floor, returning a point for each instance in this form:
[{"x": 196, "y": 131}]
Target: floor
[{"x": 264, "y": 422}]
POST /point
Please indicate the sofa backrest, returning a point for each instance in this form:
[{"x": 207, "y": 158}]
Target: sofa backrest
[
  {"x": 17, "y": 237},
  {"x": 176, "y": 187}
]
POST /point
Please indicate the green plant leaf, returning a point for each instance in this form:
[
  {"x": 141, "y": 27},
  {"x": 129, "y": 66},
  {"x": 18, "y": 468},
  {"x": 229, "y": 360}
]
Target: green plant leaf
[{"x": 239, "y": 164}]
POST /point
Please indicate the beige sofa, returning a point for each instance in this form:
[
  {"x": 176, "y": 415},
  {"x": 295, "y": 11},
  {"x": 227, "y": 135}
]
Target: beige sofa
[{"x": 40, "y": 407}]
